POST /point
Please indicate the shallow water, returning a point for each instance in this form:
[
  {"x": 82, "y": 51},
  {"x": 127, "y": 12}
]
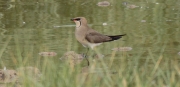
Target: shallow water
[{"x": 30, "y": 27}]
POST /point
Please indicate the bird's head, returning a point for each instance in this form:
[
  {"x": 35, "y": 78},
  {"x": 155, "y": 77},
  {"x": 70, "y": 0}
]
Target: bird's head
[{"x": 79, "y": 21}]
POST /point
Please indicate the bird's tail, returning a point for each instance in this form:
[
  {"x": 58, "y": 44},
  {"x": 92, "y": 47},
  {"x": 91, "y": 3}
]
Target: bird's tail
[{"x": 116, "y": 37}]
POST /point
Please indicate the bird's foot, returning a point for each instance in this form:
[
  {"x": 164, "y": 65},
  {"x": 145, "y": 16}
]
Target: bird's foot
[{"x": 85, "y": 55}]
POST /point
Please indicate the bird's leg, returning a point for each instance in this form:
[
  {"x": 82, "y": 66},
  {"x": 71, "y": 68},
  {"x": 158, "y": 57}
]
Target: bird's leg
[
  {"x": 86, "y": 56},
  {"x": 87, "y": 52},
  {"x": 87, "y": 61}
]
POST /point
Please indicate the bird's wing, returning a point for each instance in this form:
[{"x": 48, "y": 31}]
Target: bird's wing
[{"x": 95, "y": 37}]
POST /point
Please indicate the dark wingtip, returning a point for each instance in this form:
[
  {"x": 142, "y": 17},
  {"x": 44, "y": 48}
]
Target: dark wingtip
[{"x": 116, "y": 37}]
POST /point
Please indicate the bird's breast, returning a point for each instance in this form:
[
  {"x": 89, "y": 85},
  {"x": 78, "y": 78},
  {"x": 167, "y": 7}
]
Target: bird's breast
[{"x": 80, "y": 36}]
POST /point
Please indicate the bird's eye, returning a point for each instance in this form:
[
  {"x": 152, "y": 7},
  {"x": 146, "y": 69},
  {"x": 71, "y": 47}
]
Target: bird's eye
[{"x": 77, "y": 19}]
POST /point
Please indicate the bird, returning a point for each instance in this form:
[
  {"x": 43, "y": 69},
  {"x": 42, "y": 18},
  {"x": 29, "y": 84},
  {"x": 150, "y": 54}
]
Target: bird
[{"x": 89, "y": 37}]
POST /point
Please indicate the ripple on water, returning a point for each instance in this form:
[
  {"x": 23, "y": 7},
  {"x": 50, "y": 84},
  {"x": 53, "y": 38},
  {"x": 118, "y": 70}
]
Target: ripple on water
[
  {"x": 122, "y": 49},
  {"x": 103, "y": 4},
  {"x": 48, "y": 53}
]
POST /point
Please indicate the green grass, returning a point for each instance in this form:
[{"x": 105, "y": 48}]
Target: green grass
[
  {"x": 111, "y": 71},
  {"x": 153, "y": 61},
  {"x": 156, "y": 65}
]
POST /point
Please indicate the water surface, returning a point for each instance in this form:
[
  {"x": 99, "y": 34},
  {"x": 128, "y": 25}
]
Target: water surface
[{"x": 29, "y": 27}]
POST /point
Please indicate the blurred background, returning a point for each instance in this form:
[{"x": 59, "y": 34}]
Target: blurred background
[{"x": 28, "y": 27}]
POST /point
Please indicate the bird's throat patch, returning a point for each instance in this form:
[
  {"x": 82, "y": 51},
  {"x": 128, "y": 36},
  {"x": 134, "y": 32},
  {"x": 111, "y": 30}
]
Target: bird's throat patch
[{"x": 78, "y": 24}]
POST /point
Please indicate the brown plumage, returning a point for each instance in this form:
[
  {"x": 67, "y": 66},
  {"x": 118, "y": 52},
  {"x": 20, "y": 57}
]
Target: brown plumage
[
  {"x": 94, "y": 37},
  {"x": 89, "y": 37}
]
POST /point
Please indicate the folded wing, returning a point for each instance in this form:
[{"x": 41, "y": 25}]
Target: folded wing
[{"x": 95, "y": 37}]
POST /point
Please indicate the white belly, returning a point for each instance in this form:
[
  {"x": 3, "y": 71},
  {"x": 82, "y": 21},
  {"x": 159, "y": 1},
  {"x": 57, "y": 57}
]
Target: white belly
[{"x": 92, "y": 45}]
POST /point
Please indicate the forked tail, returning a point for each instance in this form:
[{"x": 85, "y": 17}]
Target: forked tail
[{"x": 116, "y": 37}]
